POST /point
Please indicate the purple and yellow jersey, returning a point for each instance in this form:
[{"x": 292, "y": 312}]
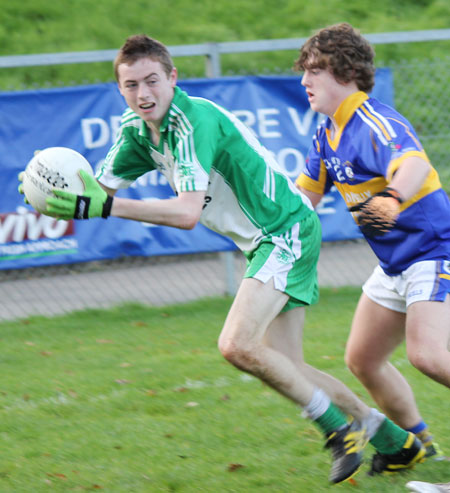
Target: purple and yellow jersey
[{"x": 360, "y": 159}]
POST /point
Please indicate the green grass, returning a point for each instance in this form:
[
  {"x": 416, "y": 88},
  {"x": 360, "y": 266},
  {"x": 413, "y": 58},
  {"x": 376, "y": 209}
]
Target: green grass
[
  {"x": 138, "y": 399},
  {"x": 35, "y": 26}
]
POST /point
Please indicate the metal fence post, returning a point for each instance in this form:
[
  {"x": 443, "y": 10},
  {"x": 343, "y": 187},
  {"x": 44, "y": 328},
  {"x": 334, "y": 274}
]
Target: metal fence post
[
  {"x": 213, "y": 61},
  {"x": 230, "y": 272}
]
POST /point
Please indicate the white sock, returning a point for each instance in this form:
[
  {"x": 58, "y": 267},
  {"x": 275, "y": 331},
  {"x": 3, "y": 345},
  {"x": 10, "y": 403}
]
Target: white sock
[
  {"x": 318, "y": 404},
  {"x": 373, "y": 422}
]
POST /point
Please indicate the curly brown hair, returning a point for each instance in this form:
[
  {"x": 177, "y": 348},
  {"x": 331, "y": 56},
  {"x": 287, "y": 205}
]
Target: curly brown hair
[
  {"x": 341, "y": 49},
  {"x": 142, "y": 46}
]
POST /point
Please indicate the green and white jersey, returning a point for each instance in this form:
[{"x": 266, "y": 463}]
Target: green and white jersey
[{"x": 203, "y": 147}]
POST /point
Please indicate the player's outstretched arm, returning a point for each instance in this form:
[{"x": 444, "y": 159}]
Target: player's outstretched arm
[{"x": 182, "y": 212}]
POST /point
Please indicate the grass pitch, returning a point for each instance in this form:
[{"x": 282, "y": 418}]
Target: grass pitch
[{"x": 138, "y": 399}]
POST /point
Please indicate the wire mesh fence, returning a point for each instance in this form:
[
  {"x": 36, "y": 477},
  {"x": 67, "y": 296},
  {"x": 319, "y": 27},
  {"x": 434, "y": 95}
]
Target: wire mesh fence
[
  {"x": 420, "y": 94},
  {"x": 156, "y": 281}
]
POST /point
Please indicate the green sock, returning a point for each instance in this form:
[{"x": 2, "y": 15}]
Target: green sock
[
  {"x": 390, "y": 438},
  {"x": 332, "y": 419}
]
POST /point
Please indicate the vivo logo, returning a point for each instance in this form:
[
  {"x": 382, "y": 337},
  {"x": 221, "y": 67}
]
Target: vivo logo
[{"x": 26, "y": 225}]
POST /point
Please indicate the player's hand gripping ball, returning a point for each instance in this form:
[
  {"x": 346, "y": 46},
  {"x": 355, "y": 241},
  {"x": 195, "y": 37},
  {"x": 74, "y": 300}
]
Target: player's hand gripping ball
[
  {"x": 59, "y": 182},
  {"x": 378, "y": 214},
  {"x": 93, "y": 202},
  {"x": 50, "y": 169}
]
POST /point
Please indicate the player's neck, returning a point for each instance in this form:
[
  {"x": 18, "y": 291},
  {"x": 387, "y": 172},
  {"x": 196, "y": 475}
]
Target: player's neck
[
  {"x": 155, "y": 133},
  {"x": 346, "y": 91},
  {"x": 333, "y": 128}
]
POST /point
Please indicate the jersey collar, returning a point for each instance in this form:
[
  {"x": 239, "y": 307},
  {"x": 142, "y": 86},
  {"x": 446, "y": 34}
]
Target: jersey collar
[
  {"x": 348, "y": 107},
  {"x": 176, "y": 97},
  {"x": 342, "y": 116}
]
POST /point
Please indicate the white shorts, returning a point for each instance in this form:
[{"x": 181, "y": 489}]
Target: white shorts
[{"x": 423, "y": 281}]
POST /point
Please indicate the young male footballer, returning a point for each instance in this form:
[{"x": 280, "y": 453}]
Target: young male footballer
[
  {"x": 372, "y": 155},
  {"x": 224, "y": 178}
]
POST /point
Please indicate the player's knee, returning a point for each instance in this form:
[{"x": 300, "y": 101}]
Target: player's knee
[
  {"x": 236, "y": 353},
  {"x": 364, "y": 368},
  {"x": 429, "y": 364},
  {"x": 355, "y": 363},
  {"x": 229, "y": 349}
]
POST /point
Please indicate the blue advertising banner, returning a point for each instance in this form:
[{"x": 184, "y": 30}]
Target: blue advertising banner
[{"x": 86, "y": 119}]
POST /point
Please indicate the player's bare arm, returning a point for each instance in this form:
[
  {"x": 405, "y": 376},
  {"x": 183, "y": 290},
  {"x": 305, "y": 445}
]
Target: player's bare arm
[
  {"x": 181, "y": 212},
  {"x": 314, "y": 197},
  {"x": 410, "y": 176}
]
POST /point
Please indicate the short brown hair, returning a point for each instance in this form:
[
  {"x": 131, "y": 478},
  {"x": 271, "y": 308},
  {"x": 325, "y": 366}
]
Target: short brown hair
[
  {"x": 341, "y": 49},
  {"x": 142, "y": 46}
]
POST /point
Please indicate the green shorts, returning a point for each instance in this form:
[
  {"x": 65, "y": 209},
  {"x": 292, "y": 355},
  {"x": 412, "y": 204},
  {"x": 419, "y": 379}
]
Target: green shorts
[{"x": 291, "y": 261}]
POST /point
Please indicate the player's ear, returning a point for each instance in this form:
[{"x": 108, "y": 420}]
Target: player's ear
[{"x": 173, "y": 77}]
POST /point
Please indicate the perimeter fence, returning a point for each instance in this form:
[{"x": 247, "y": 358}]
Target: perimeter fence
[{"x": 420, "y": 92}]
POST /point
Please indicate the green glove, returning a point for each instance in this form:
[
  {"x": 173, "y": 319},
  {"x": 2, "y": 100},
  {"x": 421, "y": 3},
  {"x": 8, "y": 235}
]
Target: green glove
[
  {"x": 94, "y": 203},
  {"x": 20, "y": 177},
  {"x": 20, "y": 187}
]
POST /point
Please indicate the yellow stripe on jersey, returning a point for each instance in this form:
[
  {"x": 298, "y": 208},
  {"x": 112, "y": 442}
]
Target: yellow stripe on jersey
[
  {"x": 431, "y": 184},
  {"x": 354, "y": 194},
  {"x": 312, "y": 185},
  {"x": 343, "y": 114},
  {"x": 395, "y": 163},
  {"x": 445, "y": 276},
  {"x": 377, "y": 122},
  {"x": 316, "y": 186}
]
